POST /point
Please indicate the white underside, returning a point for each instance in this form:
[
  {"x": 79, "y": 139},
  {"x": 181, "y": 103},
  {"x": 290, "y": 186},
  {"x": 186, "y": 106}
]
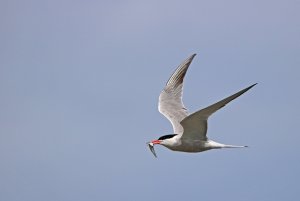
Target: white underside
[{"x": 197, "y": 145}]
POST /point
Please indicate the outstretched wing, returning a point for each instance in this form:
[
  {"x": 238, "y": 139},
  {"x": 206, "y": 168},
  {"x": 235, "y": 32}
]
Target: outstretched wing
[
  {"x": 170, "y": 99},
  {"x": 195, "y": 125}
]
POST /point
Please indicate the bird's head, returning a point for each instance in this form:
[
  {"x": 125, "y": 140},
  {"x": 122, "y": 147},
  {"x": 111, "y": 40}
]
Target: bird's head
[{"x": 163, "y": 140}]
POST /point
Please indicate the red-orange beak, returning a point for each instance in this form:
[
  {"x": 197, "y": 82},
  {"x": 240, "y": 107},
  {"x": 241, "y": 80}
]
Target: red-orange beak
[{"x": 155, "y": 141}]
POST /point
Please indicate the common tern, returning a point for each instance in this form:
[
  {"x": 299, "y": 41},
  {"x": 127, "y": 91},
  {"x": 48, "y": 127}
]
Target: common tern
[{"x": 189, "y": 129}]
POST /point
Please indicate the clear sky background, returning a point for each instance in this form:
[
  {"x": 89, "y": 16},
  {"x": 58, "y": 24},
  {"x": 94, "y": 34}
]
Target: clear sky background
[{"x": 79, "y": 84}]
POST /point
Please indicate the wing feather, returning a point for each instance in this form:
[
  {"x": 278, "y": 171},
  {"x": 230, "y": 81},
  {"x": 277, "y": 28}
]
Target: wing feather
[
  {"x": 170, "y": 100},
  {"x": 195, "y": 125}
]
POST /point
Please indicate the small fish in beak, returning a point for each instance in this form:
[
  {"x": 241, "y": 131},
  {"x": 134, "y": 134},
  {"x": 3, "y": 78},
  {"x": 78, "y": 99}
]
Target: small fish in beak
[{"x": 151, "y": 147}]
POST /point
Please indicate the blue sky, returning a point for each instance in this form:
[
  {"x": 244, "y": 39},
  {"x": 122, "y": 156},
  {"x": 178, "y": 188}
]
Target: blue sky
[{"x": 80, "y": 80}]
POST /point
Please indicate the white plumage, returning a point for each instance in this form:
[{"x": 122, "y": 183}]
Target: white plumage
[{"x": 189, "y": 129}]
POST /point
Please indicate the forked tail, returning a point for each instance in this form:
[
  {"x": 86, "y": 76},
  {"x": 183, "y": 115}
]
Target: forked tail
[{"x": 233, "y": 146}]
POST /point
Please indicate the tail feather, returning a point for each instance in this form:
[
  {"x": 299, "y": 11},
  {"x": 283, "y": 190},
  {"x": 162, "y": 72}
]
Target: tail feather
[{"x": 233, "y": 146}]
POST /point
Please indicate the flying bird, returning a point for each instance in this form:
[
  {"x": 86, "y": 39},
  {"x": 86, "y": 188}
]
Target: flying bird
[{"x": 189, "y": 129}]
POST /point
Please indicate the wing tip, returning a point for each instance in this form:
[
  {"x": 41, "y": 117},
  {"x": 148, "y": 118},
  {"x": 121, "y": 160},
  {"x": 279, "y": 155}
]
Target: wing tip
[
  {"x": 190, "y": 58},
  {"x": 251, "y": 86},
  {"x": 193, "y": 55},
  {"x": 178, "y": 75}
]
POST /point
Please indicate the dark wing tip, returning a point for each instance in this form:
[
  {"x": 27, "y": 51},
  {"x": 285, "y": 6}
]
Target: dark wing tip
[
  {"x": 234, "y": 96},
  {"x": 253, "y": 85},
  {"x": 192, "y": 56},
  {"x": 177, "y": 77},
  {"x": 250, "y": 87}
]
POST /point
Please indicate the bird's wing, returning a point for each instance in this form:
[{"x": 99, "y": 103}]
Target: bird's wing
[
  {"x": 195, "y": 125},
  {"x": 170, "y": 99}
]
